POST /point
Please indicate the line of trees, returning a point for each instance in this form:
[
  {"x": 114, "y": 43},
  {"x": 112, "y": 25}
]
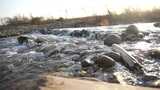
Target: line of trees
[
  {"x": 136, "y": 15},
  {"x": 128, "y": 16},
  {"x": 23, "y": 20}
]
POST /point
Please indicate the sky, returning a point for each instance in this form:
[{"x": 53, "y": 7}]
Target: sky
[{"x": 70, "y": 8}]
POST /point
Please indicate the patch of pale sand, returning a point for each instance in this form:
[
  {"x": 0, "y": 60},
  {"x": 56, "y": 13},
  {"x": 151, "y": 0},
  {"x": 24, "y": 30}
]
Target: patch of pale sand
[{"x": 60, "y": 83}]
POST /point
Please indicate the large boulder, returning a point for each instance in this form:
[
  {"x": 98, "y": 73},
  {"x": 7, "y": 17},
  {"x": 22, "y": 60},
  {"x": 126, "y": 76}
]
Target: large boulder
[
  {"x": 132, "y": 29},
  {"x": 112, "y": 39},
  {"x": 131, "y": 34},
  {"x": 103, "y": 61}
]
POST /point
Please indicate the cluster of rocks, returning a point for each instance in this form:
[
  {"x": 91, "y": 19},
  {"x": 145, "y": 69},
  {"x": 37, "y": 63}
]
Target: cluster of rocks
[
  {"x": 72, "y": 56},
  {"x": 80, "y": 33},
  {"x": 130, "y": 34},
  {"x": 80, "y": 59}
]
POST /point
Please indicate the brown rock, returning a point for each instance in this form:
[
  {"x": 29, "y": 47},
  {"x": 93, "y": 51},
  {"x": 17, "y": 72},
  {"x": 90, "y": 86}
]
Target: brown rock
[{"x": 103, "y": 61}]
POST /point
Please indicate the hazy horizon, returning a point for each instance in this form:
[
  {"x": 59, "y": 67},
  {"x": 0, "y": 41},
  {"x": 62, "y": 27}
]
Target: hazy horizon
[{"x": 70, "y": 8}]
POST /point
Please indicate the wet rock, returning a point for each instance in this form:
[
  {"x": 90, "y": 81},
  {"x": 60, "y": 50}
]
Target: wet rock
[
  {"x": 64, "y": 32},
  {"x": 151, "y": 81},
  {"x": 4, "y": 71},
  {"x": 116, "y": 56},
  {"x": 87, "y": 62},
  {"x": 141, "y": 35},
  {"x": 39, "y": 41},
  {"x": 60, "y": 32},
  {"x": 131, "y": 34},
  {"x": 156, "y": 83},
  {"x": 130, "y": 62},
  {"x": 56, "y": 32},
  {"x": 28, "y": 40},
  {"x": 130, "y": 37},
  {"x": 49, "y": 50},
  {"x": 22, "y": 39},
  {"x": 76, "y": 58},
  {"x": 157, "y": 24},
  {"x": 125, "y": 77},
  {"x": 132, "y": 29},
  {"x": 112, "y": 39},
  {"x": 149, "y": 78},
  {"x": 99, "y": 36},
  {"x": 76, "y": 33},
  {"x": 146, "y": 33},
  {"x": 84, "y": 33},
  {"x": 74, "y": 70},
  {"x": 103, "y": 61},
  {"x": 44, "y": 31},
  {"x": 154, "y": 53}
]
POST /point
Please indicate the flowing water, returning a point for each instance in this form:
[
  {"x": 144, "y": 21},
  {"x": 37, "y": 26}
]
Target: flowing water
[{"x": 61, "y": 52}]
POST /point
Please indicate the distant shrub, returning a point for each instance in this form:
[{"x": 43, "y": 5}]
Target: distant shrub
[
  {"x": 136, "y": 15},
  {"x": 60, "y": 19},
  {"x": 127, "y": 17},
  {"x": 36, "y": 21},
  {"x": 17, "y": 20}
]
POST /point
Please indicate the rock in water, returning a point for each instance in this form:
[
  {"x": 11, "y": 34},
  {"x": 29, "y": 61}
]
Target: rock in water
[
  {"x": 131, "y": 33},
  {"x": 132, "y": 29},
  {"x": 154, "y": 53},
  {"x": 103, "y": 61},
  {"x": 86, "y": 63},
  {"x": 22, "y": 39},
  {"x": 141, "y": 35},
  {"x": 49, "y": 50},
  {"x": 130, "y": 61},
  {"x": 116, "y": 56},
  {"x": 157, "y": 24},
  {"x": 76, "y": 33},
  {"x": 112, "y": 39},
  {"x": 84, "y": 33}
]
